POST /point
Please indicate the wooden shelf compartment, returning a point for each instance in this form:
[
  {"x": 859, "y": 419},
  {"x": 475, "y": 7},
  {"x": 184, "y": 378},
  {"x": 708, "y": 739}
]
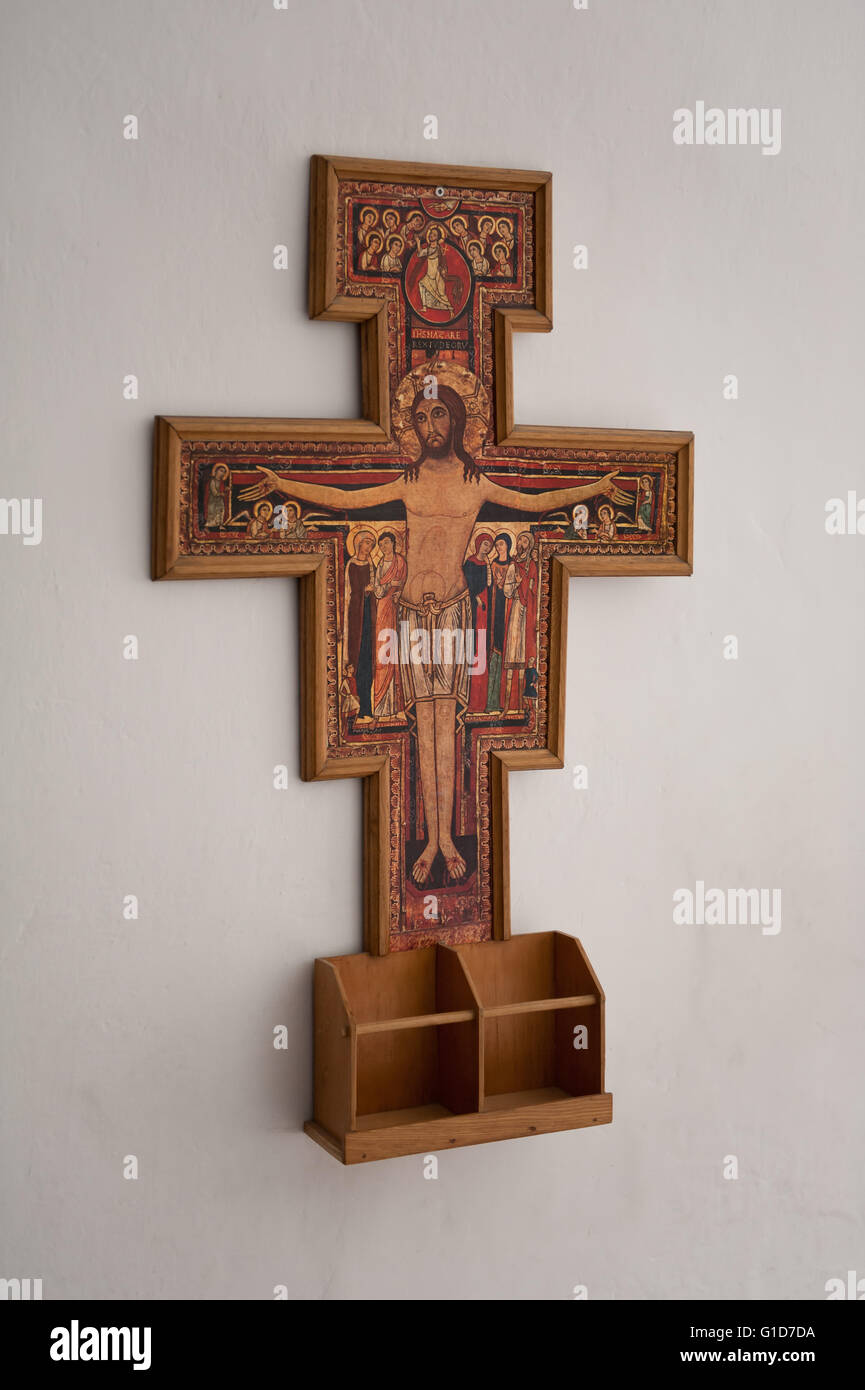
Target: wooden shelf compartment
[
  {"x": 440, "y": 1047},
  {"x": 534, "y": 991},
  {"x": 397, "y": 1041}
]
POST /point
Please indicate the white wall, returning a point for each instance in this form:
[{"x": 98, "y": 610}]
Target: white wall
[{"x": 153, "y": 777}]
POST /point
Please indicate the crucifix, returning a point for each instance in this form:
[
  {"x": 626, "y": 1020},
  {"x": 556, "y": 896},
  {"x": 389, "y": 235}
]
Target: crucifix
[{"x": 433, "y": 539}]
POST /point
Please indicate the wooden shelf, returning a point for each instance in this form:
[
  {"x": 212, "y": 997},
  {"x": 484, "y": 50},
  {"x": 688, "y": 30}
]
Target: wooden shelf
[
  {"x": 416, "y": 1115},
  {"x": 389, "y": 1025},
  {"x": 536, "y": 1006},
  {"x": 446, "y": 1046},
  {"x": 514, "y": 1100}
]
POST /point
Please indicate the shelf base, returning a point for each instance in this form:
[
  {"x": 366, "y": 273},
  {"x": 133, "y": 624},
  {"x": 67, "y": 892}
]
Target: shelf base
[{"x": 514, "y": 1116}]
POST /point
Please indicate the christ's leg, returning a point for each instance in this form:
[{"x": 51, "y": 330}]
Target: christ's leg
[
  {"x": 445, "y": 726},
  {"x": 426, "y": 743}
]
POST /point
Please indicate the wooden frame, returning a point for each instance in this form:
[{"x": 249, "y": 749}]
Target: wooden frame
[{"x": 172, "y": 432}]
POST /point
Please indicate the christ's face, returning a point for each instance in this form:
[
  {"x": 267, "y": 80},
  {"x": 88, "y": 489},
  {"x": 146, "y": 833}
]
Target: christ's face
[{"x": 435, "y": 428}]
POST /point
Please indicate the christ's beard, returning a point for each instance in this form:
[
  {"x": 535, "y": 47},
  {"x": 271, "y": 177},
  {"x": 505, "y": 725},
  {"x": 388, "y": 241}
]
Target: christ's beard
[{"x": 436, "y": 448}]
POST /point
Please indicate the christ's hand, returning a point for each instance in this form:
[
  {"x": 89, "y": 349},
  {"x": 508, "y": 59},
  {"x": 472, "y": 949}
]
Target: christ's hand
[
  {"x": 608, "y": 489},
  {"x": 269, "y": 483}
]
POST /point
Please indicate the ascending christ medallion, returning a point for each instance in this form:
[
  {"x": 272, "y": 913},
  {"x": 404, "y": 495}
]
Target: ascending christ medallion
[{"x": 438, "y": 280}]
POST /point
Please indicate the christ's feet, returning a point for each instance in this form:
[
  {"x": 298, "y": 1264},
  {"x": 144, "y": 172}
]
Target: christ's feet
[
  {"x": 423, "y": 864},
  {"x": 454, "y": 862}
]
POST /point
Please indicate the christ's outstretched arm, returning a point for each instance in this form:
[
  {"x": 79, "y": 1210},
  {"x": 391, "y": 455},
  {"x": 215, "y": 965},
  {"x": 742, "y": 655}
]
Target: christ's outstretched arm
[
  {"x": 336, "y": 499},
  {"x": 556, "y": 497}
]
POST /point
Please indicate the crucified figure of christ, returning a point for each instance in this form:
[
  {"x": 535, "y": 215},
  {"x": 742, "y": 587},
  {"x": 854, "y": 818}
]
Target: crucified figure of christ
[{"x": 443, "y": 493}]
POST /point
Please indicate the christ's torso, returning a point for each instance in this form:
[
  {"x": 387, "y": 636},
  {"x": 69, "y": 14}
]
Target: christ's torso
[{"x": 441, "y": 510}]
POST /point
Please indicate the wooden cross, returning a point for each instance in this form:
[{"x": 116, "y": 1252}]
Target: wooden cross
[{"x": 433, "y": 537}]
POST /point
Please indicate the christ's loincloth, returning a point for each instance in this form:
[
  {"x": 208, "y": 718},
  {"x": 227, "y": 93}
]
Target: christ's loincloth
[{"x": 436, "y": 649}]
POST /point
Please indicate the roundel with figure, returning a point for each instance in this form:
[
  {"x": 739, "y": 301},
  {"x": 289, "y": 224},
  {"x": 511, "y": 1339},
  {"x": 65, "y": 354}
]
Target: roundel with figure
[{"x": 438, "y": 280}]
